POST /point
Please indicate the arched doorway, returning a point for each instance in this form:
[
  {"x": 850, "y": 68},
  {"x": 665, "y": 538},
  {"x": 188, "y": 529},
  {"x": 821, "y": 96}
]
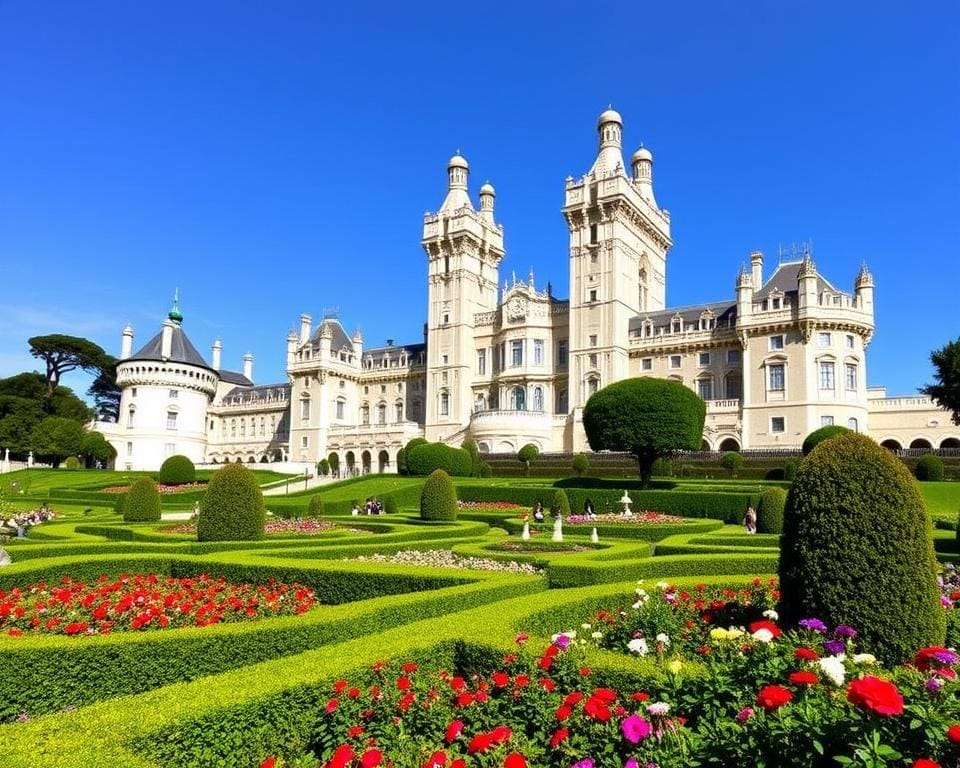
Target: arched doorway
[
  {"x": 891, "y": 445},
  {"x": 365, "y": 461},
  {"x": 729, "y": 444},
  {"x": 351, "y": 462},
  {"x": 921, "y": 443},
  {"x": 950, "y": 442},
  {"x": 383, "y": 462}
]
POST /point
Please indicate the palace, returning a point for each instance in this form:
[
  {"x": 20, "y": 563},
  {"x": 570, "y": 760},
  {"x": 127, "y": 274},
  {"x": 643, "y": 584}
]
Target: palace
[{"x": 508, "y": 364}]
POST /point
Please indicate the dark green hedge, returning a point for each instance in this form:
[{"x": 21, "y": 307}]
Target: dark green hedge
[
  {"x": 424, "y": 459},
  {"x": 929, "y": 468},
  {"x": 438, "y": 499},
  {"x": 177, "y": 470},
  {"x": 142, "y": 502},
  {"x": 561, "y": 575},
  {"x": 232, "y": 508},
  {"x": 770, "y": 510}
]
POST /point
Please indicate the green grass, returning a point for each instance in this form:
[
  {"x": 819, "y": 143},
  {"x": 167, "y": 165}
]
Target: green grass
[{"x": 942, "y": 500}]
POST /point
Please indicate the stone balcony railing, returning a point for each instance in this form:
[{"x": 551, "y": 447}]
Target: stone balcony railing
[
  {"x": 918, "y": 403},
  {"x": 723, "y": 406}
]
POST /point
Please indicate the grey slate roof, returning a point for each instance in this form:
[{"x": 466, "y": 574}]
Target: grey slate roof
[
  {"x": 278, "y": 393},
  {"x": 410, "y": 351},
  {"x": 784, "y": 279},
  {"x": 724, "y": 313},
  {"x": 181, "y": 349},
  {"x": 340, "y": 338},
  {"x": 234, "y": 377}
]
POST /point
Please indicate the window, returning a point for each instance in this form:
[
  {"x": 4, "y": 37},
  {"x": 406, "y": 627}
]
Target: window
[
  {"x": 340, "y": 406},
  {"x": 776, "y": 342},
  {"x": 233, "y": 427},
  {"x": 562, "y": 354},
  {"x": 851, "y": 370},
  {"x": 133, "y": 392},
  {"x": 444, "y": 404},
  {"x": 777, "y": 424},
  {"x": 263, "y": 427},
  {"x": 776, "y": 303},
  {"x": 518, "y": 399},
  {"x": 305, "y": 441},
  {"x": 171, "y": 419},
  {"x": 169, "y": 449},
  {"x": 703, "y": 358},
  {"x": 444, "y": 377},
  {"x": 516, "y": 353},
  {"x": 129, "y": 449},
  {"x": 823, "y": 340},
  {"x": 538, "y": 399},
  {"x": 446, "y": 359},
  {"x": 382, "y": 413},
  {"x": 734, "y": 386},
  {"x": 733, "y": 357},
  {"x": 243, "y": 428},
  {"x": 646, "y": 364},
  {"x": 592, "y": 386},
  {"x": 593, "y": 361},
  {"x": 366, "y": 390},
  {"x": 775, "y": 377},
  {"x": 562, "y": 401},
  {"x": 705, "y": 388},
  {"x": 593, "y": 339},
  {"x": 593, "y": 234},
  {"x": 365, "y": 415},
  {"x": 398, "y": 412},
  {"x": 446, "y": 318},
  {"x": 676, "y": 325},
  {"x": 343, "y": 384},
  {"x": 592, "y": 296},
  {"x": 675, "y": 361},
  {"x": 305, "y": 409},
  {"x": 850, "y": 344},
  {"x": 826, "y": 375},
  {"x": 173, "y": 394},
  {"x": 131, "y": 412},
  {"x": 482, "y": 361},
  {"x": 383, "y": 389},
  {"x": 826, "y": 421},
  {"x": 538, "y": 351},
  {"x": 852, "y": 424}
]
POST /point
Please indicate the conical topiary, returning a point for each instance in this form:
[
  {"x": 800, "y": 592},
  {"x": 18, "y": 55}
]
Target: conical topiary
[
  {"x": 438, "y": 500},
  {"x": 232, "y": 508},
  {"x": 142, "y": 502},
  {"x": 857, "y": 549}
]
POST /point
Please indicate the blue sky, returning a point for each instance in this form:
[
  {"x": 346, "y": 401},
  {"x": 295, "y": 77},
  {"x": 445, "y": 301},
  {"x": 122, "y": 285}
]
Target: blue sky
[{"x": 276, "y": 158}]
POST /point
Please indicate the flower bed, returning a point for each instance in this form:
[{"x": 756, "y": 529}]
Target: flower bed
[
  {"x": 637, "y": 518},
  {"x": 143, "y": 602},
  {"x": 160, "y": 487},
  {"x": 754, "y": 695},
  {"x": 302, "y": 526},
  {"x": 540, "y": 546},
  {"x": 445, "y": 558},
  {"x": 488, "y": 506}
]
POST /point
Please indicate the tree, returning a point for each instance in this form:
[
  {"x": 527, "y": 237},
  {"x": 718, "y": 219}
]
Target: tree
[
  {"x": 96, "y": 448},
  {"x": 32, "y": 386},
  {"x": 334, "y": 460},
  {"x": 527, "y": 455},
  {"x": 732, "y": 462},
  {"x": 816, "y": 437},
  {"x": 232, "y": 508},
  {"x": 56, "y": 438},
  {"x": 945, "y": 392},
  {"x": 66, "y": 353},
  {"x": 581, "y": 464},
  {"x": 647, "y": 417},
  {"x": 105, "y": 392},
  {"x": 438, "y": 499}
]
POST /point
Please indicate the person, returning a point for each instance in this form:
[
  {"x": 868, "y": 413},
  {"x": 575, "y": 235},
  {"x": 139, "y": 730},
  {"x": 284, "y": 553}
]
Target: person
[
  {"x": 750, "y": 520},
  {"x": 588, "y": 509},
  {"x": 355, "y": 511},
  {"x": 538, "y": 512}
]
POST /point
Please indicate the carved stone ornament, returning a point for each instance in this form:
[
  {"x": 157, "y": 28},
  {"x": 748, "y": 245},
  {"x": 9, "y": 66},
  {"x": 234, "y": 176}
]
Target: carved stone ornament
[{"x": 516, "y": 309}]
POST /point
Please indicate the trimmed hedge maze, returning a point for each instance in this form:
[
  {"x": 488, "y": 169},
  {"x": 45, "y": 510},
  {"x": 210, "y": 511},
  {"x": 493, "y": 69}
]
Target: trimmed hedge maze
[{"x": 231, "y": 694}]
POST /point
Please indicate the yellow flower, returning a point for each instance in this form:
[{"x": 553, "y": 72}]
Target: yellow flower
[
  {"x": 718, "y": 633},
  {"x": 675, "y": 666}
]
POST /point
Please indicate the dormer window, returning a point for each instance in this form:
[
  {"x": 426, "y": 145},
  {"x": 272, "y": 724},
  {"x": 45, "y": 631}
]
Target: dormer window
[{"x": 676, "y": 325}]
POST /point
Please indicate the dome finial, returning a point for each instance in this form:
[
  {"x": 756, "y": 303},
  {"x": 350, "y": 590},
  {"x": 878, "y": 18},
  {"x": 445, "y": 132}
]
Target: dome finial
[{"x": 174, "y": 314}]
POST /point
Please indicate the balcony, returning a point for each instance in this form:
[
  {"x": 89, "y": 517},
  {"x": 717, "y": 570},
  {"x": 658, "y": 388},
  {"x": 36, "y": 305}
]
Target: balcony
[{"x": 723, "y": 406}]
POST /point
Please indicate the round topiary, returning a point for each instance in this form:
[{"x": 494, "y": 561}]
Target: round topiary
[
  {"x": 232, "y": 507},
  {"x": 770, "y": 510},
  {"x": 142, "y": 502},
  {"x": 177, "y": 470},
  {"x": 72, "y": 462},
  {"x": 929, "y": 468},
  {"x": 390, "y": 505},
  {"x": 790, "y": 469},
  {"x": 857, "y": 549},
  {"x": 560, "y": 505},
  {"x": 438, "y": 500},
  {"x": 323, "y": 467},
  {"x": 315, "y": 508},
  {"x": 819, "y": 435},
  {"x": 732, "y": 462},
  {"x": 427, "y": 457},
  {"x": 581, "y": 464}
]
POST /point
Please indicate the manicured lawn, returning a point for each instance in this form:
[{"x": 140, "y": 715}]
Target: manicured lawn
[{"x": 942, "y": 500}]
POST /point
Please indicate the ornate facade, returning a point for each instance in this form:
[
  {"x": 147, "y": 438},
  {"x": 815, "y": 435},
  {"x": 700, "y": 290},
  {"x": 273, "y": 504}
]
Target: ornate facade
[{"x": 508, "y": 364}]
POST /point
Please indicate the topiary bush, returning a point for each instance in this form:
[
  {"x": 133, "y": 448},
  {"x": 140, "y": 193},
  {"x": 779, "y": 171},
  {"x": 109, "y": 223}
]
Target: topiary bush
[
  {"x": 770, "y": 510},
  {"x": 560, "y": 505},
  {"x": 120, "y": 502},
  {"x": 929, "y": 468},
  {"x": 581, "y": 464},
  {"x": 857, "y": 549},
  {"x": 427, "y": 457},
  {"x": 790, "y": 469},
  {"x": 485, "y": 469},
  {"x": 141, "y": 502},
  {"x": 232, "y": 508},
  {"x": 819, "y": 435},
  {"x": 177, "y": 470},
  {"x": 315, "y": 507},
  {"x": 334, "y": 460},
  {"x": 662, "y": 468},
  {"x": 438, "y": 499},
  {"x": 732, "y": 462},
  {"x": 527, "y": 455},
  {"x": 323, "y": 467},
  {"x": 72, "y": 462},
  {"x": 390, "y": 505}
]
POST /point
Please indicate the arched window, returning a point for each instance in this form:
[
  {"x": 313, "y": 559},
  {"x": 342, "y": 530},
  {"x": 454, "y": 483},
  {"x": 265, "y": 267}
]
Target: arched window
[
  {"x": 131, "y": 413},
  {"x": 305, "y": 408},
  {"x": 479, "y": 403},
  {"x": 398, "y": 411},
  {"x": 382, "y": 413},
  {"x": 562, "y": 401},
  {"x": 518, "y": 399},
  {"x": 593, "y": 384},
  {"x": 444, "y": 404},
  {"x": 538, "y": 399},
  {"x": 365, "y": 414},
  {"x": 852, "y": 424},
  {"x": 705, "y": 387}
]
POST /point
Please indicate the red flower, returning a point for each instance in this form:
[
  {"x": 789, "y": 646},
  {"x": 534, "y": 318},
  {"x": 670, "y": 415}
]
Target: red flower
[
  {"x": 332, "y": 705},
  {"x": 459, "y": 763},
  {"x": 355, "y": 731},
  {"x": 479, "y": 743},
  {"x": 342, "y": 757},
  {"x": 923, "y": 762},
  {"x": 572, "y": 699},
  {"x": 584, "y": 671},
  {"x": 515, "y": 760},
  {"x": 437, "y": 760},
  {"x": 403, "y": 683},
  {"x": 371, "y": 758},
  {"x": 339, "y": 686},
  {"x": 640, "y": 696},
  {"x": 500, "y": 679},
  {"x": 773, "y": 697},
  {"x": 804, "y": 677},
  {"x": 933, "y": 656},
  {"x": 876, "y": 695},
  {"x": 500, "y": 734},
  {"x": 559, "y": 735},
  {"x": 805, "y": 654},
  {"x": 454, "y": 730},
  {"x": 547, "y": 684},
  {"x": 270, "y": 762},
  {"x": 953, "y": 733},
  {"x": 14, "y": 632},
  {"x": 768, "y": 625},
  {"x": 458, "y": 684},
  {"x": 410, "y": 667},
  {"x": 464, "y": 699},
  {"x": 563, "y": 713}
]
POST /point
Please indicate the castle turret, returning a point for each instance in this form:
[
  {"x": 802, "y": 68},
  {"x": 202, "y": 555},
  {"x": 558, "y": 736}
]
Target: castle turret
[
  {"x": 215, "y": 354},
  {"x": 248, "y": 366},
  {"x": 807, "y": 283},
  {"x": 610, "y": 157},
  {"x": 358, "y": 344},
  {"x": 642, "y": 164},
  {"x": 487, "y": 195},
  {"x": 126, "y": 342},
  {"x": 863, "y": 289},
  {"x": 457, "y": 197},
  {"x": 305, "y": 323},
  {"x": 744, "y": 294},
  {"x": 756, "y": 269}
]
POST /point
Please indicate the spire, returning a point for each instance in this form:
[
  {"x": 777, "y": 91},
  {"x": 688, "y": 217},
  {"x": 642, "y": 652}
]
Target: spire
[
  {"x": 864, "y": 278},
  {"x": 744, "y": 279},
  {"x": 458, "y": 170},
  {"x": 609, "y": 158},
  {"x": 174, "y": 314},
  {"x": 807, "y": 268}
]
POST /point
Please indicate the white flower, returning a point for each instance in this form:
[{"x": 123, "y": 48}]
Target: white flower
[
  {"x": 597, "y": 635},
  {"x": 771, "y": 614},
  {"x": 638, "y": 646},
  {"x": 584, "y": 626},
  {"x": 663, "y": 638},
  {"x": 763, "y": 635},
  {"x": 864, "y": 658},
  {"x": 658, "y": 708},
  {"x": 663, "y": 586},
  {"x": 832, "y": 667}
]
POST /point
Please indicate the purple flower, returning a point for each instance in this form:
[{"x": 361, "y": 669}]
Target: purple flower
[
  {"x": 562, "y": 642},
  {"x": 843, "y": 630},
  {"x": 933, "y": 685},
  {"x": 585, "y": 763},
  {"x": 631, "y": 763},
  {"x": 815, "y": 624},
  {"x": 635, "y": 729},
  {"x": 834, "y": 646},
  {"x": 945, "y": 656},
  {"x": 744, "y": 714}
]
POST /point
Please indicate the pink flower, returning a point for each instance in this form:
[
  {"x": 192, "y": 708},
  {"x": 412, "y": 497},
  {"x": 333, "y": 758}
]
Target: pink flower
[{"x": 635, "y": 728}]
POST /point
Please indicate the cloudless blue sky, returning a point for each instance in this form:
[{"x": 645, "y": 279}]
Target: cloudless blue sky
[{"x": 276, "y": 158}]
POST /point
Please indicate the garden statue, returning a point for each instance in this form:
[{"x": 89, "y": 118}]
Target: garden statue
[
  {"x": 558, "y": 529},
  {"x": 526, "y": 531},
  {"x": 626, "y": 501},
  {"x": 593, "y": 536},
  {"x": 4, "y": 557}
]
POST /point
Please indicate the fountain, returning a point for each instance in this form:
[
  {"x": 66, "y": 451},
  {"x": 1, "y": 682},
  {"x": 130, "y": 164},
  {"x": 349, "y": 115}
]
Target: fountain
[
  {"x": 558, "y": 528},
  {"x": 626, "y": 501}
]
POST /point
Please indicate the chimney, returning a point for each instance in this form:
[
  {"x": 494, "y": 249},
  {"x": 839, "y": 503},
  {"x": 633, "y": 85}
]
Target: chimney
[
  {"x": 305, "y": 321},
  {"x": 166, "y": 339},
  {"x": 126, "y": 342},
  {"x": 248, "y": 366},
  {"x": 756, "y": 269},
  {"x": 215, "y": 357},
  {"x": 389, "y": 342}
]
